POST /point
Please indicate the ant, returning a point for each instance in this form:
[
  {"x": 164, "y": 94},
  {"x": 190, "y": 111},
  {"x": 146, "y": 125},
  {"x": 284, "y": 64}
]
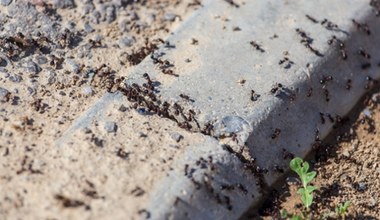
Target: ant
[
  {"x": 257, "y": 46},
  {"x": 362, "y": 26},
  {"x": 276, "y": 133},
  {"x": 254, "y": 96},
  {"x": 311, "y": 19}
]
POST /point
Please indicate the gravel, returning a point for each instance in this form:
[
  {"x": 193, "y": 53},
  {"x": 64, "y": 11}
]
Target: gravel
[
  {"x": 32, "y": 67},
  {"x": 4, "y": 94},
  {"x": 176, "y": 136},
  {"x": 110, "y": 127},
  {"x": 64, "y": 3},
  {"x": 127, "y": 41},
  {"x": 169, "y": 16},
  {"x": 87, "y": 91},
  {"x": 122, "y": 108}
]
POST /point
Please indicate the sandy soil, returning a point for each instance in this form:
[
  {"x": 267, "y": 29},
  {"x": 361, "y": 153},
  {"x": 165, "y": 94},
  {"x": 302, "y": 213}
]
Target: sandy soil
[{"x": 50, "y": 78}]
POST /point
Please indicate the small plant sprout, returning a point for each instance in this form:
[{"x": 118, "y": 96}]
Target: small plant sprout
[
  {"x": 306, "y": 192},
  {"x": 341, "y": 209}
]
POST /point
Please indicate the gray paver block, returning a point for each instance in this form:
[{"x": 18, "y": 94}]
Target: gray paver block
[{"x": 287, "y": 48}]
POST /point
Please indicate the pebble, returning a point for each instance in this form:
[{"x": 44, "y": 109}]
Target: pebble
[
  {"x": 87, "y": 9},
  {"x": 176, "y": 136},
  {"x": 88, "y": 91},
  {"x": 73, "y": 66},
  {"x": 110, "y": 127},
  {"x": 15, "y": 78},
  {"x": 31, "y": 91},
  {"x": 4, "y": 72},
  {"x": 233, "y": 124},
  {"x": 169, "y": 16},
  {"x": 32, "y": 67},
  {"x": 4, "y": 94},
  {"x": 367, "y": 112},
  {"x": 123, "y": 25},
  {"x": 141, "y": 111},
  {"x": 126, "y": 41},
  {"x": 3, "y": 62},
  {"x": 122, "y": 108},
  {"x": 41, "y": 60},
  {"x": 64, "y": 3},
  {"x": 52, "y": 78},
  {"x": 88, "y": 28},
  {"x": 110, "y": 14},
  {"x": 95, "y": 18},
  {"x": 5, "y": 2}
]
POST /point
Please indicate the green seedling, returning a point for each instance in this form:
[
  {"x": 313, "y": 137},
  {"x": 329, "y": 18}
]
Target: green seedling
[
  {"x": 341, "y": 209},
  {"x": 302, "y": 169}
]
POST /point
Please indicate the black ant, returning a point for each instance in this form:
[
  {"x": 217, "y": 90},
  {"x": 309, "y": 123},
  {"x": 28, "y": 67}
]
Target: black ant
[
  {"x": 276, "y": 133},
  {"x": 362, "y": 26},
  {"x": 311, "y": 18},
  {"x": 257, "y": 46},
  {"x": 254, "y": 96}
]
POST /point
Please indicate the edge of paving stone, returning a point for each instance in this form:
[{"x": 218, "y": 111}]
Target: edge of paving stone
[{"x": 199, "y": 207}]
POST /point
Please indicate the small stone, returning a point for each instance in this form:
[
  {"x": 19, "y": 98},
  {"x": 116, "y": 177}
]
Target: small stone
[
  {"x": 233, "y": 124},
  {"x": 88, "y": 91},
  {"x": 3, "y": 62},
  {"x": 86, "y": 130},
  {"x": 4, "y": 95},
  {"x": 110, "y": 127},
  {"x": 122, "y": 108},
  {"x": 88, "y": 28},
  {"x": 31, "y": 91},
  {"x": 5, "y": 2},
  {"x": 87, "y": 9},
  {"x": 41, "y": 60},
  {"x": 52, "y": 78},
  {"x": 367, "y": 112},
  {"x": 361, "y": 187},
  {"x": 95, "y": 18},
  {"x": 127, "y": 41},
  {"x": 169, "y": 16},
  {"x": 15, "y": 78},
  {"x": 64, "y": 3},
  {"x": 73, "y": 66},
  {"x": 176, "y": 136},
  {"x": 110, "y": 14},
  {"x": 32, "y": 67},
  {"x": 123, "y": 25},
  {"x": 141, "y": 111}
]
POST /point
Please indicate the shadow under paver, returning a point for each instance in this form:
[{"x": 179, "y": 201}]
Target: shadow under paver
[{"x": 278, "y": 76}]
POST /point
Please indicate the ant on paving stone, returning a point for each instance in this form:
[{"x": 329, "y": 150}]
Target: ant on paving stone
[
  {"x": 342, "y": 47},
  {"x": 311, "y": 19},
  {"x": 362, "y": 26},
  {"x": 257, "y": 46},
  {"x": 276, "y": 133}
]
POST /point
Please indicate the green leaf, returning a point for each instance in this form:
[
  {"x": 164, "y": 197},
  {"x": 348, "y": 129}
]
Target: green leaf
[
  {"x": 307, "y": 199},
  {"x": 305, "y": 167},
  {"x": 308, "y": 177},
  {"x": 284, "y": 213},
  {"x": 341, "y": 209},
  {"x": 295, "y": 164},
  {"x": 296, "y": 217},
  {"x": 310, "y": 189}
]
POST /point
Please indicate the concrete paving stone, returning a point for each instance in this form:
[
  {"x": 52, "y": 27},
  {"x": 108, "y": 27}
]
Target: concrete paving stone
[{"x": 279, "y": 75}]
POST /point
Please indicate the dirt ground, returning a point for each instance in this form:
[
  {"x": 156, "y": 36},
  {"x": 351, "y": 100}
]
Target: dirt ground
[
  {"x": 56, "y": 59},
  {"x": 347, "y": 166}
]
